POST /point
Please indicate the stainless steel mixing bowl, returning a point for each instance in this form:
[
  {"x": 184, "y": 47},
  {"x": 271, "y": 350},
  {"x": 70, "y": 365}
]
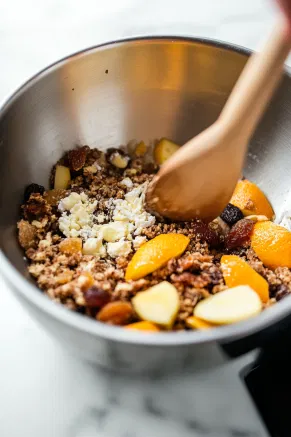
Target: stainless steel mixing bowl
[{"x": 134, "y": 89}]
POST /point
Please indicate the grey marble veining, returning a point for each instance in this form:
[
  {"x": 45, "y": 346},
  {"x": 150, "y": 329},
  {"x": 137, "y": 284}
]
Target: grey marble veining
[
  {"x": 43, "y": 390},
  {"x": 54, "y": 394},
  {"x": 132, "y": 406}
]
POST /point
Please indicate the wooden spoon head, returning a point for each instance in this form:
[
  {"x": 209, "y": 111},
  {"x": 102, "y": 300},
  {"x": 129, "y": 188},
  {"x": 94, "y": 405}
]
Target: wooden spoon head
[{"x": 198, "y": 181}]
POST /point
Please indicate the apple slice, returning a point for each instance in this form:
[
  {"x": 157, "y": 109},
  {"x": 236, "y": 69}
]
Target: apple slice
[
  {"x": 159, "y": 304},
  {"x": 164, "y": 149},
  {"x": 62, "y": 177},
  {"x": 229, "y": 306}
]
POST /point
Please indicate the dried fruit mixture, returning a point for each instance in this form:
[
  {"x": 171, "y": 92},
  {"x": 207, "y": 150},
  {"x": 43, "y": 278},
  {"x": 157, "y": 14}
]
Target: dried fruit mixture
[{"x": 92, "y": 246}]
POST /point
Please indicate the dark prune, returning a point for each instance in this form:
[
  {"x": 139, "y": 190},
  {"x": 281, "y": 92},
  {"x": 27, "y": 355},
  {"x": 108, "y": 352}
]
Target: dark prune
[
  {"x": 239, "y": 234},
  {"x": 231, "y": 214},
  {"x": 32, "y": 189},
  {"x": 96, "y": 297},
  {"x": 205, "y": 233}
]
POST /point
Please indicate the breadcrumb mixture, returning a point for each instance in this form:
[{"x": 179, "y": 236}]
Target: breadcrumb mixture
[{"x": 103, "y": 181}]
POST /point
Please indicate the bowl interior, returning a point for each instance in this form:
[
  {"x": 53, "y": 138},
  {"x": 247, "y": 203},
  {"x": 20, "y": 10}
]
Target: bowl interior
[{"x": 136, "y": 89}]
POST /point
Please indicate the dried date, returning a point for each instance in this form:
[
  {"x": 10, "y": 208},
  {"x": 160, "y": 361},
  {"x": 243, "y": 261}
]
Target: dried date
[
  {"x": 205, "y": 233},
  {"x": 240, "y": 234}
]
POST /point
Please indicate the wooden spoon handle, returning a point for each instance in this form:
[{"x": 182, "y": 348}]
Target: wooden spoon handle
[{"x": 257, "y": 83}]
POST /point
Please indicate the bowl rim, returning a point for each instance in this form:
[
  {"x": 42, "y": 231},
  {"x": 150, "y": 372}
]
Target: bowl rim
[{"x": 31, "y": 292}]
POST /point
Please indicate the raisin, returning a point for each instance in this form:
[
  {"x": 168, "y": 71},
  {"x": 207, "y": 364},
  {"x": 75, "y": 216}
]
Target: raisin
[
  {"x": 281, "y": 292},
  {"x": 96, "y": 297},
  {"x": 205, "y": 233},
  {"x": 239, "y": 234},
  {"x": 32, "y": 189},
  {"x": 231, "y": 214}
]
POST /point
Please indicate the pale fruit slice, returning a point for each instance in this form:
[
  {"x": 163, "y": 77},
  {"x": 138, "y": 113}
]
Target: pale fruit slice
[
  {"x": 154, "y": 254},
  {"x": 143, "y": 326},
  {"x": 229, "y": 306},
  {"x": 159, "y": 304},
  {"x": 164, "y": 149},
  {"x": 195, "y": 323},
  {"x": 62, "y": 177},
  {"x": 140, "y": 149}
]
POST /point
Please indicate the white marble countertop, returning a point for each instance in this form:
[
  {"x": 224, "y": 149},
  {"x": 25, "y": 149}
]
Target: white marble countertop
[{"x": 44, "y": 391}]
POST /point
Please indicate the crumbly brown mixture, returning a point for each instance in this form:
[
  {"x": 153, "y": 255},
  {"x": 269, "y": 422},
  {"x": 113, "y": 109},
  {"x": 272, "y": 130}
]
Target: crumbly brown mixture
[{"x": 77, "y": 280}]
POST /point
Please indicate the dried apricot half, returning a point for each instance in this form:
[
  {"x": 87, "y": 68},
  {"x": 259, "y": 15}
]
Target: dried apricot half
[
  {"x": 251, "y": 200},
  {"x": 236, "y": 272},
  {"x": 272, "y": 244},
  {"x": 143, "y": 326},
  {"x": 195, "y": 323},
  {"x": 115, "y": 313},
  {"x": 154, "y": 254}
]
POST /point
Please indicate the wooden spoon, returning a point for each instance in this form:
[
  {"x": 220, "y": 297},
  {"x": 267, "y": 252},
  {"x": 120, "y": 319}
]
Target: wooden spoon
[{"x": 199, "y": 179}]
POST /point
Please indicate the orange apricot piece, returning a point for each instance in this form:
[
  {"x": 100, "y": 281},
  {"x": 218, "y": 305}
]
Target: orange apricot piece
[
  {"x": 236, "y": 272},
  {"x": 154, "y": 254},
  {"x": 251, "y": 200},
  {"x": 272, "y": 244},
  {"x": 196, "y": 323},
  {"x": 143, "y": 326}
]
